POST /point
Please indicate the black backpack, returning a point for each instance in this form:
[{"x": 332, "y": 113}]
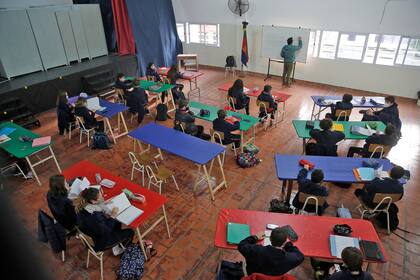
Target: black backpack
[
  {"x": 101, "y": 141},
  {"x": 161, "y": 112},
  {"x": 279, "y": 206},
  {"x": 230, "y": 61},
  {"x": 393, "y": 218}
]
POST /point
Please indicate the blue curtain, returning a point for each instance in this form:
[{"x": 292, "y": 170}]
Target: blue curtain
[{"x": 154, "y": 29}]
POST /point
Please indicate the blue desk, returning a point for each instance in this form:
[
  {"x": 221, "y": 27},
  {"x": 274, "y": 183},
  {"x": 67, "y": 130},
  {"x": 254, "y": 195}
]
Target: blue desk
[
  {"x": 112, "y": 109},
  {"x": 356, "y": 103},
  {"x": 336, "y": 169},
  {"x": 191, "y": 148}
]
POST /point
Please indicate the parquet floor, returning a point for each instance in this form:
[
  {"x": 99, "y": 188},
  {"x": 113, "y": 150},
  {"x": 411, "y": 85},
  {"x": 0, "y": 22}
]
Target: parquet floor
[{"x": 190, "y": 253}]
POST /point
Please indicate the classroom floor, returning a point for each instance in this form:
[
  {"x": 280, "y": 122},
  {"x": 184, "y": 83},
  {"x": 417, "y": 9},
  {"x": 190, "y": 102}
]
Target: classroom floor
[{"x": 190, "y": 253}]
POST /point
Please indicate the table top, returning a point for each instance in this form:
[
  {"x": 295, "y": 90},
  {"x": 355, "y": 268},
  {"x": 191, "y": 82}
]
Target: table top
[
  {"x": 184, "y": 55},
  {"x": 185, "y": 75},
  {"x": 278, "y": 96},
  {"x": 356, "y": 101},
  {"x": 313, "y": 231},
  {"x": 144, "y": 84},
  {"x": 88, "y": 169},
  {"x": 111, "y": 108},
  {"x": 16, "y": 147},
  {"x": 173, "y": 141},
  {"x": 228, "y": 85},
  {"x": 303, "y": 132},
  {"x": 336, "y": 169},
  {"x": 246, "y": 121}
]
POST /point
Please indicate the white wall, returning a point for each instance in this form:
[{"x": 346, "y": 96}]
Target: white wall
[
  {"x": 12, "y": 4},
  {"x": 400, "y": 17}
]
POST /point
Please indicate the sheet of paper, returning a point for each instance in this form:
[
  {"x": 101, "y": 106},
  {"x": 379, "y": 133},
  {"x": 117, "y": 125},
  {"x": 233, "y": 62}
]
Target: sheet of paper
[
  {"x": 338, "y": 243},
  {"x": 196, "y": 111},
  {"x": 366, "y": 173},
  {"x": 330, "y": 101},
  {"x": 78, "y": 186},
  {"x": 129, "y": 215},
  {"x": 41, "y": 141},
  {"x": 120, "y": 201},
  {"x": 267, "y": 241},
  {"x": 4, "y": 139}
]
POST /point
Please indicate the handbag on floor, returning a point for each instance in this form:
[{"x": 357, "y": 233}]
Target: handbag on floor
[
  {"x": 245, "y": 160},
  {"x": 229, "y": 271},
  {"x": 131, "y": 264}
]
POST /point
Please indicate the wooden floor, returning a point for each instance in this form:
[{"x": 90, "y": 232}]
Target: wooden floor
[{"x": 190, "y": 253}]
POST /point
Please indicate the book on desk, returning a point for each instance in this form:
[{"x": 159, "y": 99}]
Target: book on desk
[{"x": 127, "y": 213}]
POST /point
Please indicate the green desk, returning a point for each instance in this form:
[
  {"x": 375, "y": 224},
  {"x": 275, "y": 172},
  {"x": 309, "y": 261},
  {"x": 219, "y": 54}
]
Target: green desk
[
  {"x": 303, "y": 132},
  {"x": 246, "y": 123},
  {"x": 20, "y": 149}
]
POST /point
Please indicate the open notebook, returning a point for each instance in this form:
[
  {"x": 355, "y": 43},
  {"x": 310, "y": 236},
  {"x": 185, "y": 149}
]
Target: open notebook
[
  {"x": 93, "y": 104},
  {"x": 78, "y": 186},
  {"x": 127, "y": 213},
  {"x": 338, "y": 243}
]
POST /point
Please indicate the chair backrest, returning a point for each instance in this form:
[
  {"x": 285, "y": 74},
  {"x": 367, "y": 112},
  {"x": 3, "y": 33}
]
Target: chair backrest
[
  {"x": 79, "y": 120},
  {"x": 150, "y": 173},
  {"x": 339, "y": 113},
  {"x": 182, "y": 125},
  {"x": 150, "y": 78},
  {"x": 378, "y": 148},
  {"x": 231, "y": 101},
  {"x": 165, "y": 80},
  {"x": 263, "y": 104},
  {"x": 133, "y": 158},
  {"x": 387, "y": 197},
  {"x": 220, "y": 136},
  {"x": 87, "y": 241}
]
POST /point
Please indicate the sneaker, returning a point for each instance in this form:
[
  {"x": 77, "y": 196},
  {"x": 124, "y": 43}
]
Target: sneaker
[
  {"x": 29, "y": 175},
  {"x": 117, "y": 250}
]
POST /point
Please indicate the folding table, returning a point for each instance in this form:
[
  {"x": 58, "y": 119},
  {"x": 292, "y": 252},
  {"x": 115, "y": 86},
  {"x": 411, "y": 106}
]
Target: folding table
[
  {"x": 190, "y": 76},
  {"x": 246, "y": 122},
  {"x": 303, "y": 132},
  {"x": 144, "y": 84},
  {"x": 191, "y": 148},
  {"x": 336, "y": 169},
  {"x": 322, "y": 105},
  {"x": 20, "y": 149},
  {"x": 313, "y": 231},
  {"x": 153, "y": 203}
]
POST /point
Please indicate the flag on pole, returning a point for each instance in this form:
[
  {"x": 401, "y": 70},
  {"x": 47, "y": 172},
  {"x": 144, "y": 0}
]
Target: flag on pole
[{"x": 244, "y": 53}]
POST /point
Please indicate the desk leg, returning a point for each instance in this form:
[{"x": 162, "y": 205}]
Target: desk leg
[
  {"x": 283, "y": 113},
  {"x": 242, "y": 141},
  {"x": 197, "y": 179},
  {"x": 313, "y": 112},
  {"x": 166, "y": 221},
  {"x": 159, "y": 155},
  {"x": 33, "y": 170},
  {"x": 207, "y": 178},
  {"x": 319, "y": 113},
  {"x": 141, "y": 243},
  {"x": 124, "y": 124},
  {"x": 283, "y": 187},
  {"x": 222, "y": 171},
  {"x": 289, "y": 190},
  {"x": 55, "y": 159},
  {"x": 110, "y": 130},
  {"x": 303, "y": 145}
]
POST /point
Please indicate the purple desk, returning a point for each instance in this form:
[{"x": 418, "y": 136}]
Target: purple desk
[
  {"x": 112, "y": 110},
  {"x": 336, "y": 169},
  {"x": 183, "y": 145},
  {"x": 356, "y": 103}
]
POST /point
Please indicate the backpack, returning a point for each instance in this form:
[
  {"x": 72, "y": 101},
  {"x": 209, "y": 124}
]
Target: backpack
[
  {"x": 251, "y": 148},
  {"x": 230, "y": 61},
  {"x": 245, "y": 160},
  {"x": 131, "y": 263},
  {"x": 229, "y": 271},
  {"x": 161, "y": 112},
  {"x": 101, "y": 141},
  {"x": 393, "y": 218},
  {"x": 279, "y": 206}
]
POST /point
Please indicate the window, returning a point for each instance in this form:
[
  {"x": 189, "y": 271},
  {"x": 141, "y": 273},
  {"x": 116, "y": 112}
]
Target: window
[
  {"x": 402, "y": 50},
  {"x": 371, "y": 47},
  {"x": 207, "y": 34},
  {"x": 328, "y": 44},
  {"x": 413, "y": 53},
  {"x": 180, "y": 28},
  {"x": 314, "y": 43},
  {"x": 351, "y": 46},
  {"x": 387, "y": 49}
]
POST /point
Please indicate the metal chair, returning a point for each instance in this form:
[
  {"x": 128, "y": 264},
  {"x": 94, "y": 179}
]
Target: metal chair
[
  {"x": 88, "y": 243},
  {"x": 218, "y": 137},
  {"x": 308, "y": 199},
  {"x": 160, "y": 177},
  {"x": 378, "y": 148},
  {"x": 83, "y": 130},
  {"x": 345, "y": 114},
  {"x": 139, "y": 163}
]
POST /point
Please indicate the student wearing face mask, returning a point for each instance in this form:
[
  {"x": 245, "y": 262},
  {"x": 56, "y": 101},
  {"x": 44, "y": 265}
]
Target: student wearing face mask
[
  {"x": 151, "y": 71},
  {"x": 389, "y": 114}
]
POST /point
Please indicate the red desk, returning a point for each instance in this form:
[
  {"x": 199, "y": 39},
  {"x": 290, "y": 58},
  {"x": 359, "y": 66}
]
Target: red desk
[
  {"x": 313, "y": 231},
  {"x": 154, "y": 201},
  {"x": 190, "y": 76}
]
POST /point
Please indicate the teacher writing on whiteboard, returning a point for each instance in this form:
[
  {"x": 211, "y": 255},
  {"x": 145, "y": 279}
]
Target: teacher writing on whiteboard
[{"x": 288, "y": 53}]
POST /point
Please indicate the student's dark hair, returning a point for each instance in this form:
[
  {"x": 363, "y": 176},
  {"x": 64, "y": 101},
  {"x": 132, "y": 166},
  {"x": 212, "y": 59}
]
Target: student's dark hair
[
  {"x": 81, "y": 101},
  {"x": 221, "y": 114},
  {"x": 62, "y": 98},
  {"x": 85, "y": 197},
  {"x": 149, "y": 66},
  {"x": 180, "y": 87},
  {"x": 347, "y": 98},
  {"x": 58, "y": 185},
  {"x": 290, "y": 41},
  {"x": 352, "y": 258},
  {"x": 136, "y": 82},
  {"x": 172, "y": 70},
  {"x": 278, "y": 236},
  {"x": 390, "y": 99},
  {"x": 120, "y": 75},
  {"x": 390, "y": 129},
  {"x": 397, "y": 172},
  {"x": 325, "y": 124},
  {"x": 238, "y": 84},
  {"x": 267, "y": 88},
  {"x": 317, "y": 176}
]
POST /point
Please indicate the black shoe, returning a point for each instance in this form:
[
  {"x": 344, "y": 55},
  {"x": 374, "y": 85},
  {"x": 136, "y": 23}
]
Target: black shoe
[{"x": 362, "y": 111}]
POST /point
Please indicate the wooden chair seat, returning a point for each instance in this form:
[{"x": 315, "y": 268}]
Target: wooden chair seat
[{"x": 163, "y": 173}]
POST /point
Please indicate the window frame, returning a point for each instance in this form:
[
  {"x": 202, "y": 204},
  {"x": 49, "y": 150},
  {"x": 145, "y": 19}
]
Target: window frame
[
  {"x": 185, "y": 31},
  {"x": 205, "y": 43},
  {"x": 356, "y": 34}
]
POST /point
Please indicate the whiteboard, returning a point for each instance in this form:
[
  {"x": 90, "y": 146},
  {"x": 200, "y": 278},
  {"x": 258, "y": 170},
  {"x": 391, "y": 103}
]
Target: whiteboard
[{"x": 274, "y": 38}]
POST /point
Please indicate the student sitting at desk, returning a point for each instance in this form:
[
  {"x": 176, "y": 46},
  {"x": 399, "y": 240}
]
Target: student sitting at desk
[
  {"x": 237, "y": 92},
  {"x": 352, "y": 266},
  {"x": 178, "y": 94},
  {"x": 122, "y": 83},
  {"x": 137, "y": 100},
  {"x": 64, "y": 112},
  {"x": 184, "y": 117},
  {"x": 151, "y": 71},
  {"x": 88, "y": 116},
  {"x": 389, "y": 114},
  {"x": 390, "y": 138},
  {"x": 275, "y": 259},
  {"x": 95, "y": 221},
  {"x": 344, "y": 104},
  {"x": 60, "y": 205},
  {"x": 311, "y": 187},
  {"x": 266, "y": 96},
  {"x": 222, "y": 125},
  {"x": 326, "y": 139},
  {"x": 378, "y": 185}
]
